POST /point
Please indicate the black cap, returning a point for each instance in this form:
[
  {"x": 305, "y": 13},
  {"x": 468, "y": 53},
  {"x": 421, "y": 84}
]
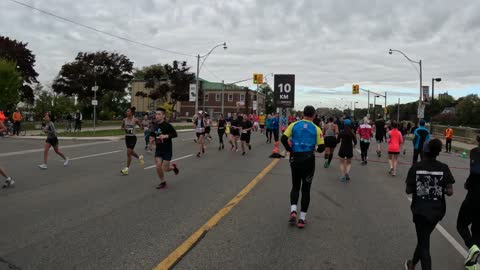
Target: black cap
[{"x": 309, "y": 111}]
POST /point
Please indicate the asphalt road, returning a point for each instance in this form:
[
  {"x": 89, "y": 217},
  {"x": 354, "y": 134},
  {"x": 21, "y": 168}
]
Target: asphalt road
[{"x": 88, "y": 216}]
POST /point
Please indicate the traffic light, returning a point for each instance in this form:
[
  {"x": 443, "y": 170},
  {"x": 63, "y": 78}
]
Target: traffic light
[
  {"x": 257, "y": 78},
  {"x": 355, "y": 89}
]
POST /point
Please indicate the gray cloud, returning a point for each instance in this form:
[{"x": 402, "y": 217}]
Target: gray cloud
[{"x": 328, "y": 44}]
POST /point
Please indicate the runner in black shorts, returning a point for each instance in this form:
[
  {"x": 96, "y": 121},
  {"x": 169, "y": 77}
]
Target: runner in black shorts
[
  {"x": 246, "y": 127},
  {"x": 330, "y": 134},
  {"x": 221, "y": 131},
  {"x": 129, "y": 125},
  {"x": 235, "y": 132},
  {"x": 380, "y": 133},
  {"x": 347, "y": 140},
  {"x": 52, "y": 141},
  {"x": 199, "y": 126},
  {"x": 164, "y": 133}
]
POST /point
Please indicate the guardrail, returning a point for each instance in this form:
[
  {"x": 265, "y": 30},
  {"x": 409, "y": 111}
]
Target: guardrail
[{"x": 461, "y": 134}]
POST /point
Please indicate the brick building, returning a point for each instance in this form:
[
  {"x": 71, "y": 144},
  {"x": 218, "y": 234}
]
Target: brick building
[{"x": 236, "y": 99}]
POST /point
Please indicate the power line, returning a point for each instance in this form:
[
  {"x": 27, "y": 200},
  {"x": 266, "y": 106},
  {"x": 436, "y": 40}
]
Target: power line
[
  {"x": 98, "y": 30},
  {"x": 213, "y": 74}
]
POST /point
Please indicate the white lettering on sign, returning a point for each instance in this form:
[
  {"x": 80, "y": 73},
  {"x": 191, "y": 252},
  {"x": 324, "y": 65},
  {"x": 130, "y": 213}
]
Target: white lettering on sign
[
  {"x": 283, "y": 96},
  {"x": 285, "y": 88}
]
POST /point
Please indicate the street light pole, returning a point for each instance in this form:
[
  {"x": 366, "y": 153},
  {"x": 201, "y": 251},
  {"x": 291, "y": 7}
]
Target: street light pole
[
  {"x": 416, "y": 62},
  {"x": 398, "y": 111},
  {"x": 198, "y": 74},
  {"x": 223, "y": 94}
]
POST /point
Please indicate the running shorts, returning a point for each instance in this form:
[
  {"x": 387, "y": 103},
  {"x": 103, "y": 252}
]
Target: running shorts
[
  {"x": 330, "y": 142},
  {"x": 262, "y": 126},
  {"x": 200, "y": 134},
  {"x": 163, "y": 155},
  {"x": 394, "y": 153},
  {"x": 379, "y": 137},
  {"x": 345, "y": 154},
  {"x": 207, "y": 130},
  {"x": 130, "y": 141},
  {"x": 245, "y": 137},
  {"x": 52, "y": 141}
]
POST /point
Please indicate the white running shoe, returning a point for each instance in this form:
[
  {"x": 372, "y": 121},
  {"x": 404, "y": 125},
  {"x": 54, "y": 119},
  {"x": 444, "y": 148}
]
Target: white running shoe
[
  {"x": 125, "y": 171},
  {"x": 8, "y": 182},
  {"x": 43, "y": 166},
  {"x": 142, "y": 160},
  {"x": 66, "y": 162}
]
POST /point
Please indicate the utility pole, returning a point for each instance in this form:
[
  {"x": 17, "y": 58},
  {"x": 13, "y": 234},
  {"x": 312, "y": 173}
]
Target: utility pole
[
  {"x": 197, "y": 85},
  {"x": 398, "y": 111},
  {"x": 223, "y": 94},
  {"x": 385, "y": 109}
]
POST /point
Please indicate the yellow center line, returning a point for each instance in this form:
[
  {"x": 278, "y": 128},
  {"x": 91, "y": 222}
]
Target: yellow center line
[{"x": 181, "y": 250}]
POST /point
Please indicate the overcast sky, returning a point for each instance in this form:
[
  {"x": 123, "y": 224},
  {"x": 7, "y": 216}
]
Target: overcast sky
[{"x": 327, "y": 44}]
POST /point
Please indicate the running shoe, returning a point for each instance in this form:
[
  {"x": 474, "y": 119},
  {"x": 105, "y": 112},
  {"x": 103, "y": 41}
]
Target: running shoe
[
  {"x": 409, "y": 265},
  {"x": 198, "y": 154},
  {"x": 66, "y": 162},
  {"x": 473, "y": 267},
  {"x": 473, "y": 255},
  {"x": 145, "y": 148},
  {"x": 301, "y": 224},
  {"x": 162, "y": 185},
  {"x": 219, "y": 148},
  {"x": 175, "y": 168},
  {"x": 141, "y": 160},
  {"x": 325, "y": 165},
  {"x": 8, "y": 182},
  {"x": 195, "y": 140},
  {"x": 249, "y": 147},
  {"x": 404, "y": 152},
  {"x": 223, "y": 146},
  {"x": 124, "y": 171},
  {"x": 43, "y": 166},
  {"x": 394, "y": 174},
  {"x": 203, "y": 149},
  {"x": 347, "y": 177},
  {"x": 243, "y": 153},
  {"x": 343, "y": 179},
  {"x": 293, "y": 218},
  {"x": 390, "y": 171}
]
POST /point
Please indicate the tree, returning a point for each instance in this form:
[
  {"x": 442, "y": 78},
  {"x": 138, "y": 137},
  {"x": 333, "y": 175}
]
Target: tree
[
  {"x": 48, "y": 101},
  {"x": 467, "y": 109},
  {"x": 10, "y": 83},
  {"x": 17, "y": 52},
  {"x": 111, "y": 72},
  {"x": 268, "y": 92}
]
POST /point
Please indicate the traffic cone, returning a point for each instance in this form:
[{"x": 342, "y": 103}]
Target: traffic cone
[{"x": 275, "y": 151}]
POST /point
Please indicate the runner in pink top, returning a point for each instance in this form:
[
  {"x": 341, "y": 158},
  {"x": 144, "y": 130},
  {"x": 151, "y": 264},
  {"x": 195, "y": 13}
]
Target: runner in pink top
[
  {"x": 365, "y": 133},
  {"x": 394, "y": 145}
]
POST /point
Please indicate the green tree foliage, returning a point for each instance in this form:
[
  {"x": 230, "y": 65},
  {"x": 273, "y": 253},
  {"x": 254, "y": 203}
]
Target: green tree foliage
[
  {"x": 10, "y": 84},
  {"x": 268, "y": 92},
  {"x": 48, "y": 101},
  {"x": 468, "y": 110},
  {"x": 112, "y": 72},
  {"x": 16, "y": 51}
]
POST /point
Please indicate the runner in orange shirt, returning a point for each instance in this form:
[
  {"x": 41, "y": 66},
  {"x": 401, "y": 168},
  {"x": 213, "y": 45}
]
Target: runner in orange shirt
[{"x": 448, "y": 139}]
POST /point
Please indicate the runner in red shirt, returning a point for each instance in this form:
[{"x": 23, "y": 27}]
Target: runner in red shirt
[
  {"x": 365, "y": 132},
  {"x": 394, "y": 144}
]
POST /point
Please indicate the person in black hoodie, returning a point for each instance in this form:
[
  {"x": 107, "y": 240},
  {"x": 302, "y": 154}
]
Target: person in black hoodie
[
  {"x": 428, "y": 181},
  {"x": 470, "y": 209}
]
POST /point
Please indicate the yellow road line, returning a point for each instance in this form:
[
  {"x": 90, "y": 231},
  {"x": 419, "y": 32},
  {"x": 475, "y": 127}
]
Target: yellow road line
[{"x": 180, "y": 251}]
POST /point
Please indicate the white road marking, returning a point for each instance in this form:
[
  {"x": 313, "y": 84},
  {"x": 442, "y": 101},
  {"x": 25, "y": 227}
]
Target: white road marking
[
  {"x": 449, "y": 238},
  {"x": 41, "y": 150},
  {"x": 153, "y": 166},
  {"x": 96, "y": 155}
]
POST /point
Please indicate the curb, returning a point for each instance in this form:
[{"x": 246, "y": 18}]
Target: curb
[{"x": 105, "y": 138}]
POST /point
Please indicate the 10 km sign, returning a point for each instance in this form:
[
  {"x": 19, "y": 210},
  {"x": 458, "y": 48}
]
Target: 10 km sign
[{"x": 284, "y": 91}]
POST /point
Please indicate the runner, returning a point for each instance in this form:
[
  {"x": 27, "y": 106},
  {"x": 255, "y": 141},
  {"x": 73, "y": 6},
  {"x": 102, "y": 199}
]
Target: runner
[
  {"x": 245, "y": 129},
  {"x": 283, "y": 123},
  {"x": 52, "y": 141},
  {"x": 8, "y": 180},
  {"x": 129, "y": 125},
  {"x": 331, "y": 135},
  {"x": 235, "y": 132},
  {"x": 261, "y": 122},
  {"x": 380, "y": 133},
  {"x": 163, "y": 133},
  {"x": 199, "y": 126},
  {"x": 269, "y": 124},
  {"x": 208, "y": 124},
  {"x": 221, "y": 131},
  {"x": 468, "y": 215},
  {"x": 428, "y": 182},
  {"x": 395, "y": 143},
  {"x": 303, "y": 135},
  {"x": 275, "y": 127},
  {"x": 146, "y": 131},
  {"x": 317, "y": 121},
  {"x": 256, "y": 124},
  {"x": 404, "y": 132},
  {"x": 448, "y": 139},
  {"x": 365, "y": 133},
  {"x": 421, "y": 136},
  {"x": 291, "y": 119},
  {"x": 347, "y": 141}
]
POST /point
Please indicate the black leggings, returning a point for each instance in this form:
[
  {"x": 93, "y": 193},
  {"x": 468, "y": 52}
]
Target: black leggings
[
  {"x": 364, "y": 147},
  {"x": 424, "y": 228},
  {"x": 275, "y": 134},
  {"x": 468, "y": 215},
  {"x": 448, "y": 145},
  {"x": 303, "y": 169},
  {"x": 417, "y": 153},
  {"x": 221, "y": 132}
]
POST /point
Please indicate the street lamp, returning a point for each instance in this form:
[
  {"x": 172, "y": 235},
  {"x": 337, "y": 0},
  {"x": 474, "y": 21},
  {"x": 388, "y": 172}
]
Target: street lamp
[
  {"x": 375, "y": 106},
  {"x": 198, "y": 74},
  {"x": 433, "y": 87},
  {"x": 353, "y": 106},
  {"x": 416, "y": 62}
]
